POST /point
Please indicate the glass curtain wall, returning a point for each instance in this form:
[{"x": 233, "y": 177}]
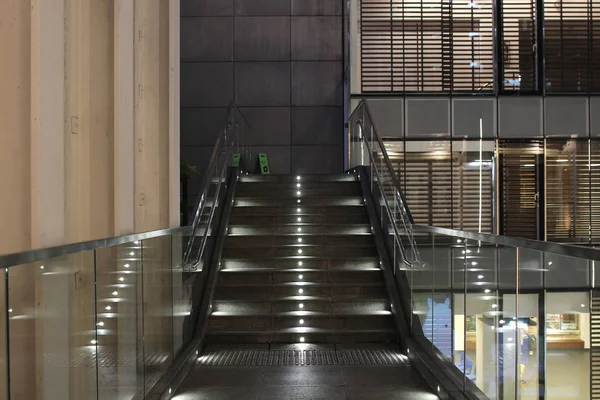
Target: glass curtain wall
[{"x": 537, "y": 189}]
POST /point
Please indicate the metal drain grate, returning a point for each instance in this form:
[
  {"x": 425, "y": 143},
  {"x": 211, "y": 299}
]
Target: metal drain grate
[{"x": 252, "y": 358}]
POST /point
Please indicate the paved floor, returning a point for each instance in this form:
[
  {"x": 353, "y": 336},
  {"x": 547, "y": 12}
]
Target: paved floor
[{"x": 372, "y": 382}]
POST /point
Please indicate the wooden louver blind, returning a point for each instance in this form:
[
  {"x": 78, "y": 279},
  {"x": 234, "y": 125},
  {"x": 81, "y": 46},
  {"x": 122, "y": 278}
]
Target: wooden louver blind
[
  {"x": 519, "y": 188},
  {"x": 572, "y": 45},
  {"x": 426, "y": 46},
  {"x": 443, "y": 191}
]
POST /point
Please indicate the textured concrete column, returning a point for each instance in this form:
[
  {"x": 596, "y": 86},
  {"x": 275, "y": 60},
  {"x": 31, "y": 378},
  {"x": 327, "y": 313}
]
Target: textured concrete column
[
  {"x": 152, "y": 115},
  {"x": 15, "y": 205},
  {"x": 124, "y": 39}
]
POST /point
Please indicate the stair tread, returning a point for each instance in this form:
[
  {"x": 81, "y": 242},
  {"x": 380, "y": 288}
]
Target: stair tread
[
  {"x": 307, "y": 330},
  {"x": 299, "y": 284},
  {"x": 293, "y": 314},
  {"x": 291, "y": 270},
  {"x": 272, "y": 299}
]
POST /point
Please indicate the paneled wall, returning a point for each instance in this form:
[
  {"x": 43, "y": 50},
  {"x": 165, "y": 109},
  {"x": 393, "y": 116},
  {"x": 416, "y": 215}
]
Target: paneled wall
[
  {"x": 504, "y": 117},
  {"x": 281, "y": 62}
]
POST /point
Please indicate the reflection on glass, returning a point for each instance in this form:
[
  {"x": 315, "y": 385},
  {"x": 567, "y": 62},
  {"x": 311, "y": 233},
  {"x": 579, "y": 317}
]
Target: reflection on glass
[
  {"x": 567, "y": 345},
  {"x": 52, "y": 328},
  {"x": 158, "y": 308},
  {"x": 118, "y": 317}
]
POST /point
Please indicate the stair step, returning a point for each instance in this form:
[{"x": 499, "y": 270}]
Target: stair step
[
  {"x": 294, "y": 178},
  {"x": 338, "y": 201},
  {"x": 364, "y": 305},
  {"x": 235, "y": 241},
  {"x": 323, "y": 229},
  {"x": 355, "y": 263},
  {"x": 266, "y": 276},
  {"x": 298, "y": 220},
  {"x": 299, "y": 289},
  {"x": 317, "y": 320},
  {"x": 305, "y": 210},
  {"x": 300, "y": 252},
  {"x": 307, "y": 335},
  {"x": 282, "y": 192}
]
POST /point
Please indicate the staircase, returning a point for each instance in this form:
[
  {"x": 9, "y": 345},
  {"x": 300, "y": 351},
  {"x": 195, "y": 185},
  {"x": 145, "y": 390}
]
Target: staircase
[{"x": 300, "y": 265}]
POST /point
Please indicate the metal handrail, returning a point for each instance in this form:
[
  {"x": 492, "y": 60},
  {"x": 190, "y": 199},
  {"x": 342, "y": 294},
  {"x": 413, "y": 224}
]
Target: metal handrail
[
  {"x": 229, "y": 137},
  {"x": 405, "y": 215},
  {"x": 31, "y": 256}
]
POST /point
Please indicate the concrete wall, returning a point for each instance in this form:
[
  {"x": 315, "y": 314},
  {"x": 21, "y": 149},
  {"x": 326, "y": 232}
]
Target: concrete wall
[
  {"x": 89, "y": 148},
  {"x": 281, "y": 62}
]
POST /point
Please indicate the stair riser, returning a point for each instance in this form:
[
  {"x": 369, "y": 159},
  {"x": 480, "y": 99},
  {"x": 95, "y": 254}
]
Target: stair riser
[
  {"x": 282, "y": 193},
  {"x": 292, "y": 210},
  {"x": 277, "y": 323},
  {"x": 243, "y": 201},
  {"x": 332, "y": 229},
  {"x": 253, "y": 187},
  {"x": 315, "y": 277},
  {"x": 386, "y": 337},
  {"x": 294, "y": 264},
  {"x": 300, "y": 252},
  {"x": 266, "y": 307},
  {"x": 298, "y": 239},
  {"x": 298, "y": 220},
  {"x": 260, "y": 292},
  {"x": 294, "y": 178}
]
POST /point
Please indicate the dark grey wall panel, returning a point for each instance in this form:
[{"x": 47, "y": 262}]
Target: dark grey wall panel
[
  {"x": 427, "y": 117},
  {"x": 198, "y": 39},
  {"x": 316, "y": 38},
  {"x": 466, "y": 115},
  {"x": 262, "y": 84},
  {"x": 206, "y": 84},
  {"x": 249, "y": 59},
  {"x": 389, "y": 116},
  {"x": 317, "y": 83},
  {"x": 206, "y": 8},
  {"x": 262, "y": 39},
  {"x": 201, "y": 126},
  {"x": 270, "y": 125},
  {"x": 520, "y": 117},
  {"x": 566, "y": 116},
  {"x": 317, "y": 7},
  {"x": 317, "y": 160},
  {"x": 317, "y": 125},
  {"x": 262, "y": 7}
]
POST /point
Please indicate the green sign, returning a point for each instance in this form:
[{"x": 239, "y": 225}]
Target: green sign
[
  {"x": 263, "y": 162},
  {"x": 236, "y": 160}
]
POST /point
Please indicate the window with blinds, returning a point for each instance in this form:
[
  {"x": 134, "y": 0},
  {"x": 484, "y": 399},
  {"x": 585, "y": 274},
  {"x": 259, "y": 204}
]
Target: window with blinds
[
  {"x": 442, "y": 184},
  {"x": 518, "y": 45},
  {"x": 572, "y": 45},
  {"x": 426, "y": 45},
  {"x": 567, "y": 190},
  {"x": 518, "y": 188}
]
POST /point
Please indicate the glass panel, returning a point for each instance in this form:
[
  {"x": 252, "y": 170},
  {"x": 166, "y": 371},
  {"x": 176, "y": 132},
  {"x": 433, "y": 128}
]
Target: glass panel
[
  {"x": 422, "y": 289},
  {"x": 52, "y": 332},
  {"x": 119, "y": 321},
  {"x": 567, "y": 345},
  {"x": 158, "y": 308},
  {"x": 441, "y": 304},
  {"x": 183, "y": 285},
  {"x": 479, "y": 358},
  {"x": 567, "y": 272},
  {"x": 460, "y": 252},
  {"x": 505, "y": 353}
]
